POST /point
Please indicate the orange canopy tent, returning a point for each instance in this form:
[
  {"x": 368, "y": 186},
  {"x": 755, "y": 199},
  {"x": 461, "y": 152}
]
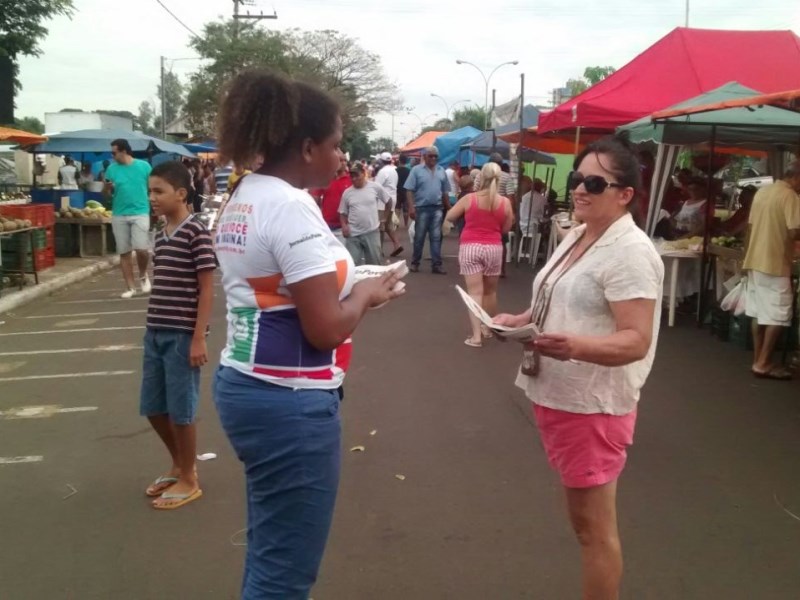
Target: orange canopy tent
[
  {"x": 554, "y": 143},
  {"x": 18, "y": 136},
  {"x": 422, "y": 142}
]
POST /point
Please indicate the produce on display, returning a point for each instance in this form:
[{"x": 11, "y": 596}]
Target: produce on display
[
  {"x": 726, "y": 241},
  {"x": 94, "y": 211},
  {"x": 13, "y": 224},
  {"x": 692, "y": 243}
]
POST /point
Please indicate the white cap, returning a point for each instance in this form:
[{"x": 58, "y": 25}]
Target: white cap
[{"x": 386, "y": 156}]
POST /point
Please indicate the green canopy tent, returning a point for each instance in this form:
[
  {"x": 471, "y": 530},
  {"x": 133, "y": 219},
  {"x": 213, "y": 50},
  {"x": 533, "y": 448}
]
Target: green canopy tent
[
  {"x": 764, "y": 127},
  {"x": 774, "y": 129}
]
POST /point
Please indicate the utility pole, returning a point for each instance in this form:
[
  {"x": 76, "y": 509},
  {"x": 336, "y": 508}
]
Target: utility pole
[
  {"x": 163, "y": 102},
  {"x": 248, "y": 17},
  {"x": 687, "y": 13}
]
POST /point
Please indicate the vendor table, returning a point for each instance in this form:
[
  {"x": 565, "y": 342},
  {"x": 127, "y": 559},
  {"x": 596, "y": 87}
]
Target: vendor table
[
  {"x": 672, "y": 260},
  {"x": 28, "y": 232},
  {"x": 92, "y": 235}
]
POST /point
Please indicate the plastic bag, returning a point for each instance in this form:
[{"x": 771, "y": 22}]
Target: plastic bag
[
  {"x": 411, "y": 230},
  {"x": 735, "y": 300}
]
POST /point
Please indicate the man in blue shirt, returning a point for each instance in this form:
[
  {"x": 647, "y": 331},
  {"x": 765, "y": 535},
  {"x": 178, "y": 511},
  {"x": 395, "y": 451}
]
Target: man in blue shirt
[{"x": 428, "y": 198}]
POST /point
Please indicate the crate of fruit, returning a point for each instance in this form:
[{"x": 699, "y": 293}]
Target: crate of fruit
[{"x": 39, "y": 215}]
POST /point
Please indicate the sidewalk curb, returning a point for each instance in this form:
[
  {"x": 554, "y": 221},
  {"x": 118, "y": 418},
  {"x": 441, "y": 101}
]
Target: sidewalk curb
[{"x": 45, "y": 289}]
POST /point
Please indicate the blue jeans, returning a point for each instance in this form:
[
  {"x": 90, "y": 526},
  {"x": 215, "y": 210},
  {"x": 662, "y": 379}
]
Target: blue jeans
[
  {"x": 289, "y": 441},
  {"x": 428, "y": 224},
  {"x": 170, "y": 384}
]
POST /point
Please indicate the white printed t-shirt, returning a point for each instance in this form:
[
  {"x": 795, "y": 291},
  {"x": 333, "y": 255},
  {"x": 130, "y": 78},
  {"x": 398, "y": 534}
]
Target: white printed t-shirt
[
  {"x": 622, "y": 265},
  {"x": 272, "y": 235}
]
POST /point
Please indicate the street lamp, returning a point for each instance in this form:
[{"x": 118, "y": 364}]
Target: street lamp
[
  {"x": 421, "y": 120},
  {"x": 447, "y": 106},
  {"x": 486, "y": 81}
]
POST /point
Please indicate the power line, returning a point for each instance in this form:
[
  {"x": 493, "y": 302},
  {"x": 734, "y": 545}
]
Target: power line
[{"x": 172, "y": 14}]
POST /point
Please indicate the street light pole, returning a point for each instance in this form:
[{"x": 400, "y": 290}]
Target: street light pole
[
  {"x": 447, "y": 106},
  {"x": 486, "y": 81},
  {"x": 421, "y": 120}
]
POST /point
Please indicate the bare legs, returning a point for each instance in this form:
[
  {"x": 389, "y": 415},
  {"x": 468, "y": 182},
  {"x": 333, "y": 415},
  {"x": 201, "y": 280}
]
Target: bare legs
[
  {"x": 489, "y": 302},
  {"x": 126, "y": 264},
  {"x": 181, "y": 442},
  {"x": 593, "y": 514},
  {"x": 765, "y": 338},
  {"x": 475, "y": 290}
]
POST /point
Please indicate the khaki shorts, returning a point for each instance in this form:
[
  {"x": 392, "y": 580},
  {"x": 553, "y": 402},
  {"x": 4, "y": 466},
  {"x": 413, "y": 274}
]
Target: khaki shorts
[
  {"x": 769, "y": 299},
  {"x": 131, "y": 232}
]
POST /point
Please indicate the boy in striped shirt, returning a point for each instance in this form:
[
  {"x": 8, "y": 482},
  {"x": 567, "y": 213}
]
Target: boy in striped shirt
[{"x": 175, "y": 342}]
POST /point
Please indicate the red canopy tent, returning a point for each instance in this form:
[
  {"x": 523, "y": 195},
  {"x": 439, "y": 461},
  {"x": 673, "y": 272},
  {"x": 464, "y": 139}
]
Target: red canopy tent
[{"x": 682, "y": 65}]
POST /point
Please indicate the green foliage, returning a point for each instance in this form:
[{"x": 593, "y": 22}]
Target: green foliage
[
  {"x": 382, "y": 144},
  {"x": 21, "y": 30},
  {"x": 173, "y": 96},
  {"x": 29, "y": 124},
  {"x": 330, "y": 59},
  {"x": 469, "y": 115},
  {"x": 576, "y": 86},
  {"x": 594, "y": 75},
  {"x": 144, "y": 120}
]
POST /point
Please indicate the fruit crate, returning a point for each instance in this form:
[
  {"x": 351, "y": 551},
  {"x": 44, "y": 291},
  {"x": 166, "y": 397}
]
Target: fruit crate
[
  {"x": 720, "y": 324},
  {"x": 40, "y": 215}
]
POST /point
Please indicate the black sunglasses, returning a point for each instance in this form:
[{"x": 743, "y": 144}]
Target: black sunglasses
[{"x": 594, "y": 184}]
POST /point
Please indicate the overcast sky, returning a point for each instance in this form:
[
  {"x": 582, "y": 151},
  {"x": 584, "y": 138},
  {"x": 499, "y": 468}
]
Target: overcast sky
[{"x": 107, "y": 56}]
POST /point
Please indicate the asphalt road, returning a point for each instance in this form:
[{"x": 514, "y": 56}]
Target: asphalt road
[{"x": 479, "y": 515}]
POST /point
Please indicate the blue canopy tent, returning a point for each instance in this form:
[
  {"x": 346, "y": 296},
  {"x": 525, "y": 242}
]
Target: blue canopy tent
[
  {"x": 98, "y": 142},
  {"x": 449, "y": 144},
  {"x": 204, "y": 146},
  {"x": 478, "y": 150}
]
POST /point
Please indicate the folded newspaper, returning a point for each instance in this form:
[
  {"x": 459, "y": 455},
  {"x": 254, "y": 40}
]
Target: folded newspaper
[
  {"x": 366, "y": 271},
  {"x": 526, "y": 333}
]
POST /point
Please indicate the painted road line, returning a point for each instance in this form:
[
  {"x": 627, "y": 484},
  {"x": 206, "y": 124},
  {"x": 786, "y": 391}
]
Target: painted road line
[
  {"x": 67, "y": 376},
  {"x": 51, "y": 331},
  {"x": 104, "y": 300},
  {"x": 13, "y": 460},
  {"x": 121, "y": 348},
  {"x": 74, "y": 409},
  {"x": 75, "y": 323},
  {"x": 40, "y": 412},
  {"x": 89, "y": 314}
]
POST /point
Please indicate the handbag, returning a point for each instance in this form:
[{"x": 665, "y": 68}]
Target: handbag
[{"x": 735, "y": 301}]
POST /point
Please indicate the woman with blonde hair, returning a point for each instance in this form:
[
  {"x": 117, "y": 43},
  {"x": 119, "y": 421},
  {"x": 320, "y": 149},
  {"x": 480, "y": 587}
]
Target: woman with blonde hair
[{"x": 488, "y": 216}]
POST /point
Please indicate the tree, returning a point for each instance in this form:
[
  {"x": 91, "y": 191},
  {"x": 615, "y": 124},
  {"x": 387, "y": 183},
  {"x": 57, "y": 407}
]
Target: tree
[
  {"x": 144, "y": 120},
  {"x": 595, "y": 75},
  {"x": 469, "y": 115},
  {"x": 173, "y": 98},
  {"x": 329, "y": 59},
  {"x": 591, "y": 76},
  {"x": 382, "y": 144},
  {"x": 576, "y": 86},
  {"x": 30, "y": 124},
  {"x": 21, "y": 30}
]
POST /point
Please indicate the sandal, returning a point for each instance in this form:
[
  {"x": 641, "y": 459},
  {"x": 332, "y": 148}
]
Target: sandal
[
  {"x": 776, "y": 373},
  {"x": 397, "y": 252},
  {"x": 179, "y": 500},
  {"x": 160, "y": 485},
  {"x": 473, "y": 344}
]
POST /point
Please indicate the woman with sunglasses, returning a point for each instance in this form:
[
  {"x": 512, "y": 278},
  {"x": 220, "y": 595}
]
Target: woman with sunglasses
[{"x": 597, "y": 303}]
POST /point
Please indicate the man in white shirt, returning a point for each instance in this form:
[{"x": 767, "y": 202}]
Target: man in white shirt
[
  {"x": 68, "y": 175},
  {"x": 364, "y": 206},
  {"x": 531, "y": 207},
  {"x": 387, "y": 178}
]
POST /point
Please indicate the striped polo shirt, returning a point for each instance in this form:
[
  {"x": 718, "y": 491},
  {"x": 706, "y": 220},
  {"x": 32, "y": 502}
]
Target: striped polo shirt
[{"x": 178, "y": 259}]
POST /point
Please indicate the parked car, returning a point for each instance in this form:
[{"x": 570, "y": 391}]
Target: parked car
[{"x": 748, "y": 176}]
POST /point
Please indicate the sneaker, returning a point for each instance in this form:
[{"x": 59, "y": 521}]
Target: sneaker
[
  {"x": 128, "y": 294},
  {"x": 414, "y": 268},
  {"x": 146, "y": 287},
  {"x": 438, "y": 271}
]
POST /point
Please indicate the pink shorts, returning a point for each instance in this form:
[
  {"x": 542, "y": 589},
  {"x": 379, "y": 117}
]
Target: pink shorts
[
  {"x": 586, "y": 450},
  {"x": 481, "y": 259}
]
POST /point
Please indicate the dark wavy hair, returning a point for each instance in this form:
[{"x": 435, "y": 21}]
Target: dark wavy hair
[
  {"x": 266, "y": 114},
  {"x": 617, "y": 155}
]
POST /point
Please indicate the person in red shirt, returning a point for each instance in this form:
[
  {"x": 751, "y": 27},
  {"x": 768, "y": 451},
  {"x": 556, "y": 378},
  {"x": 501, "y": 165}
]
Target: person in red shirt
[{"x": 330, "y": 198}]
